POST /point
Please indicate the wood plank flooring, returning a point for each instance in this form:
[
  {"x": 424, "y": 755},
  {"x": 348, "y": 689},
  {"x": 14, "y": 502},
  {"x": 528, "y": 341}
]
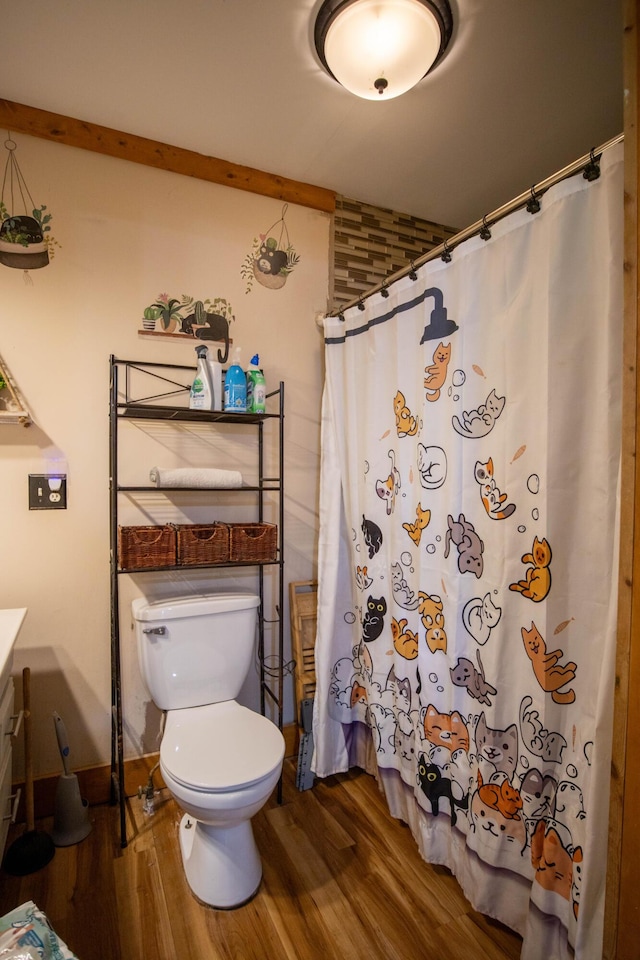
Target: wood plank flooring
[{"x": 342, "y": 881}]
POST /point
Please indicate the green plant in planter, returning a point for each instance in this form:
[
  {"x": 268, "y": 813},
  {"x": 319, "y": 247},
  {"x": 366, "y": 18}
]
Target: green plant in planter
[
  {"x": 169, "y": 312},
  {"x": 220, "y": 306},
  {"x": 267, "y": 261},
  {"x": 149, "y": 317},
  {"x": 43, "y": 219},
  {"x": 25, "y": 230}
]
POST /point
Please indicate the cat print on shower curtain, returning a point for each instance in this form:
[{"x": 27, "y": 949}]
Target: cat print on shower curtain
[
  {"x": 482, "y": 700},
  {"x": 504, "y": 787}
]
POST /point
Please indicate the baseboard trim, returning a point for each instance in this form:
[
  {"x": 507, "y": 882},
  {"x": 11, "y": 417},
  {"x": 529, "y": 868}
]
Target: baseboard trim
[{"x": 95, "y": 782}]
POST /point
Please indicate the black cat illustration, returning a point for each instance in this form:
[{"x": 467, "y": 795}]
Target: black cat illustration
[
  {"x": 373, "y": 623},
  {"x": 372, "y": 536},
  {"x": 435, "y": 786},
  {"x": 209, "y": 326},
  {"x": 271, "y": 261}
]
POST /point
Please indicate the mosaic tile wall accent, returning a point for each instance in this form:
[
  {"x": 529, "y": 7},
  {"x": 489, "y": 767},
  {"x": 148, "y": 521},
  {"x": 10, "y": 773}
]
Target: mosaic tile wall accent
[{"x": 371, "y": 243}]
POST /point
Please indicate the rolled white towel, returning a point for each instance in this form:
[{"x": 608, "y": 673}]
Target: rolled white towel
[{"x": 208, "y": 478}]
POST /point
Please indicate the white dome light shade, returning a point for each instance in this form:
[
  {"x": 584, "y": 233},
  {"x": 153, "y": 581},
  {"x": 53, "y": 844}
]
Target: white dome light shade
[{"x": 379, "y": 49}]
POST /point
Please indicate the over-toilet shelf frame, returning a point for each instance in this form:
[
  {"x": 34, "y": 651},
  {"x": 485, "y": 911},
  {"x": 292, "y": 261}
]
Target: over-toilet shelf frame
[{"x": 125, "y": 403}]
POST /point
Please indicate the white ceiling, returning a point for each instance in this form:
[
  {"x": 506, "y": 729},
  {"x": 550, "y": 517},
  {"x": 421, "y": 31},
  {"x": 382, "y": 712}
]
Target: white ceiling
[{"x": 526, "y": 87}]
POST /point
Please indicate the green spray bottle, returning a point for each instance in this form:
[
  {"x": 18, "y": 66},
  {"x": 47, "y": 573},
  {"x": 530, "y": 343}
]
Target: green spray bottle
[{"x": 256, "y": 387}]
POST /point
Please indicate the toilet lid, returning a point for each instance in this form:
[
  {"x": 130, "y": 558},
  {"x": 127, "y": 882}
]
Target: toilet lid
[{"x": 219, "y": 746}]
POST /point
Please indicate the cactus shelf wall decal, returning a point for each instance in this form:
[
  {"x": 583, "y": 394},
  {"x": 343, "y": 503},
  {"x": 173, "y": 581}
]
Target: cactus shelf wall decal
[{"x": 206, "y": 320}]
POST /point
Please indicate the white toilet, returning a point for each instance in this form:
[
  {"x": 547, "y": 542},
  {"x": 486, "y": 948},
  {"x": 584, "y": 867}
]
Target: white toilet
[{"x": 219, "y": 760}]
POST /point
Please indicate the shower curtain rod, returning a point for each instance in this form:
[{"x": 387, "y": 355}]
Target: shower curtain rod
[{"x": 589, "y": 162}]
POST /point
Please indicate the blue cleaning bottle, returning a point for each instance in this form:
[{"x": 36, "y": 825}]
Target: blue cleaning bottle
[{"x": 235, "y": 386}]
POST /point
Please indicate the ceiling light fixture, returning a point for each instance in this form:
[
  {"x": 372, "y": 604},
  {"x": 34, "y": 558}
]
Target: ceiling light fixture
[{"x": 379, "y": 49}]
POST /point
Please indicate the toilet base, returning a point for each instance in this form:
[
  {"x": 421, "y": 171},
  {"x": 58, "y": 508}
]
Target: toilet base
[{"x": 222, "y": 864}]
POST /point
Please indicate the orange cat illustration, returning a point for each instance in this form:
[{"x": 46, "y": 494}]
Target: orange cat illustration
[
  {"x": 422, "y": 522},
  {"x": 430, "y": 610},
  {"x": 501, "y": 797},
  {"x": 405, "y": 641},
  {"x": 538, "y": 581},
  {"x": 549, "y": 673},
  {"x": 553, "y": 863},
  {"x": 406, "y": 424},
  {"x": 446, "y": 730},
  {"x": 358, "y": 694},
  {"x": 437, "y": 371}
]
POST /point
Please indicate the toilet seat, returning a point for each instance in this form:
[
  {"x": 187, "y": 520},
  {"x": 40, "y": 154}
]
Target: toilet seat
[{"x": 220, "y": 746}]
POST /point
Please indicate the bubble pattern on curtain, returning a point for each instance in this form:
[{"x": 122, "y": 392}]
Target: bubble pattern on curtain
[{"x": 468, "y": 558}]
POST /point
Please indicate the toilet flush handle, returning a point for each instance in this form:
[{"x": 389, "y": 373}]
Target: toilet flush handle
[{"x": 156, "y": 631}]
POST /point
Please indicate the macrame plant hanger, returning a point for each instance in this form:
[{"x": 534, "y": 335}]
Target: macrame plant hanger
[
  {"x": 279, "y": 251},
  {"x": 22, "y": 235}
]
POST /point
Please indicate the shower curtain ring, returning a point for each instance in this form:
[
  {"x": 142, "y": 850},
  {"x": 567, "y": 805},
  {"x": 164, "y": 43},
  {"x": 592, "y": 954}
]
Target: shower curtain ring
[
  {"x": 341, "y": 317},
  {"x": 361, "y": 304},
  {"x": 383, "y": 291},
  {"x": 592, "y": 168},
  {"x": 533, "y": 204},
  {"x": 485, "y": 233},
  {"x": 412, "y": 272},
  {"x": 446, "y": 255}
]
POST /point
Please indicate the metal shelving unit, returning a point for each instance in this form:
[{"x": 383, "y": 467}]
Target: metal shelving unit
[{"x": 126, "y": 403}]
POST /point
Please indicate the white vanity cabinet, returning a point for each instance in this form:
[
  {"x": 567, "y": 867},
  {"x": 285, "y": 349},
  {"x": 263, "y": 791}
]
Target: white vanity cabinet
[{"x": 10, "y": 623}]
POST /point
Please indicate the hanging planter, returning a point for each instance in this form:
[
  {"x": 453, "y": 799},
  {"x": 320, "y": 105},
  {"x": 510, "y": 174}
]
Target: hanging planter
[
  {"x": 272, "y": 257},
  {"x": 24, "y": 240}
]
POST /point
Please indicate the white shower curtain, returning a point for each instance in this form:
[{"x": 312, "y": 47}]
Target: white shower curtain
[{"x": 468, "y": 557}]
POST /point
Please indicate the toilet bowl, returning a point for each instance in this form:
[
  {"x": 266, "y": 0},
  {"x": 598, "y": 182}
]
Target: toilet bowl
[{"x": 219, "y": 760}]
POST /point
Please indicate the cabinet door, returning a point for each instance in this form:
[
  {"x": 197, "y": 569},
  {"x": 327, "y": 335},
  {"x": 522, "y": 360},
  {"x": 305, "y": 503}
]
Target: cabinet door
[
  {"x": 6, "y": 721},
  {"x": 6, "y": 726},
  {"x": 5, "y": 801}
]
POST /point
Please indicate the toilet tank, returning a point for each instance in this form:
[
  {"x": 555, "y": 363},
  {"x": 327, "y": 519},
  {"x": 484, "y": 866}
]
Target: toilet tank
[{"x": 195, "y": 650}]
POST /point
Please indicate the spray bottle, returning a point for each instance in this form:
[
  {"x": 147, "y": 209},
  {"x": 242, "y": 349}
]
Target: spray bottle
[
  {"x": 215, "y": 375},
  {"x": 256, "y": 388},
  {"x": 201, "y": 395},
  {"x": 235, "y": 386}
]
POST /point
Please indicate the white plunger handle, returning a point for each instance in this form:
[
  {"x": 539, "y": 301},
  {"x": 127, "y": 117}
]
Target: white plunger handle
[{"x": 63, "y": 742}]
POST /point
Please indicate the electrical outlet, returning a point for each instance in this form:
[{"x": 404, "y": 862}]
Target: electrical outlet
[{"x": 47, "y": 491}]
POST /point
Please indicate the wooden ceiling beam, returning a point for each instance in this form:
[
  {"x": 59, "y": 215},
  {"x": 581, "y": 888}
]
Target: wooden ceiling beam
[{"x": 20, "y": 118}]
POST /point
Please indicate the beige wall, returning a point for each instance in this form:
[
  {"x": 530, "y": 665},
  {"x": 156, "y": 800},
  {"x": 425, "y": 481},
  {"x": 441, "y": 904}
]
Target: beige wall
[{"x": 128, "y": 233}]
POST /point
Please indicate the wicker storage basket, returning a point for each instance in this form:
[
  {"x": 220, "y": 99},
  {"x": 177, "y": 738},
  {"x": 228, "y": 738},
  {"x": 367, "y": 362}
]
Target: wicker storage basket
[
  {"x": 140, "y": 547},
  {"x": 253, "y": 542},
  {"x": 203, "y": 543}
]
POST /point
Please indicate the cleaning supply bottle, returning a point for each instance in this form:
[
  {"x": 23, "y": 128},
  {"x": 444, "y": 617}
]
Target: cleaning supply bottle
[
  {"x": 215, "y": 375},
  {"x": 256, "y": 388},
  {"x": 201, "y": 394},
  {"x": 235, "y": 386}
]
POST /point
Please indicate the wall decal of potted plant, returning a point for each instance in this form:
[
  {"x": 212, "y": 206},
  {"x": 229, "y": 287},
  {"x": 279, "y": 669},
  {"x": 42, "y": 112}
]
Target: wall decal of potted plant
[
  {"x": 271, "y": 259},
  {"x": 25, "y": 239},
  {"x": 149, "y": 317},
  {"x": 202, "y": 319},
  {"x": 169, "y": 312}
]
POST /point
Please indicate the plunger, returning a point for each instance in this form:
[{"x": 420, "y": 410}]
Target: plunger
[{"x": 35, "y": 848}]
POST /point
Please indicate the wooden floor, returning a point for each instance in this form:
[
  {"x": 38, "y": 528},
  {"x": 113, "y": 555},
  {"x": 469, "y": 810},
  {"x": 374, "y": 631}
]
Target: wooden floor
[{"x": 342, "y": 881}]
